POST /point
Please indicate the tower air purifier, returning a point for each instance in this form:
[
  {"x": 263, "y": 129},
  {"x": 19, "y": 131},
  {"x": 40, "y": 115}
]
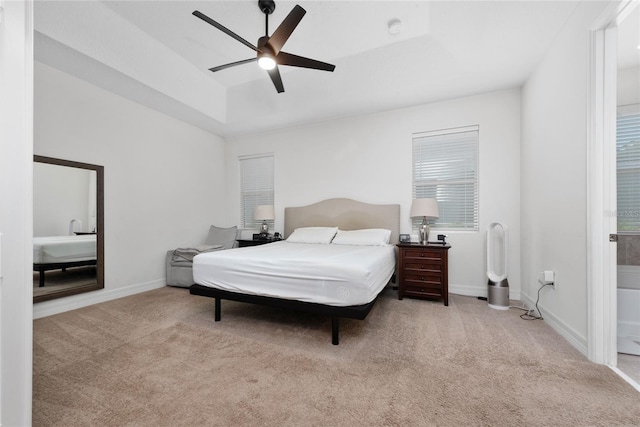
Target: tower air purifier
[{"x": 498, "y": 285}]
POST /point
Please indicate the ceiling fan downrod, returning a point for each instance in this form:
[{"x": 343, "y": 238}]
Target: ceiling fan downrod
[{"x": 267, "y": 7}]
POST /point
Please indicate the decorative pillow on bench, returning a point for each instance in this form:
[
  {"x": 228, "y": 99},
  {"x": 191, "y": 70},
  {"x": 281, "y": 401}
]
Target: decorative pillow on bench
[
  {"x": 187, "y": 254},
  {"x": 179, "y": 262}
]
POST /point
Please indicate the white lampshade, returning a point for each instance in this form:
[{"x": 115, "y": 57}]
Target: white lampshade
[
  {"x": 424, "y": 208},
  {"x": 264, "y": 212}
]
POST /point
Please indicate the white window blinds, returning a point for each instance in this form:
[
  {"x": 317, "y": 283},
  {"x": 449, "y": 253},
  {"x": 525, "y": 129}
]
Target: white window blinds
[
  {"x": 628, "y": 168},
  {"x": 256, "y": 187},
  {"x": 445, "y": 167}
]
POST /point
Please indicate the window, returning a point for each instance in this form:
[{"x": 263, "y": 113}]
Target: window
[
  {"x": 628, "y": 168},
  {"x": 445, "y": 167},
  {"x": 256, "y": 187}
]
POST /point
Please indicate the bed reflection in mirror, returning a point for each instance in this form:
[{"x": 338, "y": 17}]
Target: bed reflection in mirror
[{"x": 68, "y": 232}]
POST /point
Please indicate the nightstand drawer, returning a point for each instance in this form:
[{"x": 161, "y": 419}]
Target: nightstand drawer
[
  {"x": 420, "y": 279},
  {"x": 423, "y": 254},
  {"x": 426, "y": 266},
  {"x": 423, "y": 291}
]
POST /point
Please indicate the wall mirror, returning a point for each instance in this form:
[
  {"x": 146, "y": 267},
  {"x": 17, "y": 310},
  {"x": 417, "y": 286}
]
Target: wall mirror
[{"x": 68, "y": 228}]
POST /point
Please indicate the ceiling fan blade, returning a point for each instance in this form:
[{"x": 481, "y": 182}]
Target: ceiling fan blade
[
  {"x": 224, "y": 29},
  {"x": 285, "y": 58},
  {"x": 282, "y": 33},
  {"x": 232, "y": 64},
  {"x": 276, "y": 79}
]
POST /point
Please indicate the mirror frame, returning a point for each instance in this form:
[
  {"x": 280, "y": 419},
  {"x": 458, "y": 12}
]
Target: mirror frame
[{"x": 99, "y": 226}]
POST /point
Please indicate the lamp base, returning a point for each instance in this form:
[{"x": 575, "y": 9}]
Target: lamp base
[
  {"x": 423, "y": 232},
  {"x": 264, "y": 228}
]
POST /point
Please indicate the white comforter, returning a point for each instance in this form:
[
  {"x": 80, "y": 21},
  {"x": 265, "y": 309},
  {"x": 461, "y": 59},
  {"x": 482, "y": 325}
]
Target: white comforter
[{"x": 337, "y": 275}]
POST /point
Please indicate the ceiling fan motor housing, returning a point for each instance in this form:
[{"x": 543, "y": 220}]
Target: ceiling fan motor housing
[
  {"x": 265, "y": 50},
  {"x": 267, "y": 6}
]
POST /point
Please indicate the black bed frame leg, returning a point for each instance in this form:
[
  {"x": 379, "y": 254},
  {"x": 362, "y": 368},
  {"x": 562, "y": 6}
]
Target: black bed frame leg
[
  {"x": 217, "y": 315},
  {"x": 41, "y": 279},
  {"x": 335, "y": 326}
]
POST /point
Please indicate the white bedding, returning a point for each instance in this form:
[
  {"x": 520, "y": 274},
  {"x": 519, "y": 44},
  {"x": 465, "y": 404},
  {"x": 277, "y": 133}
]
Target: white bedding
[
  {"x": 336, "y": 275},
  {"x": 55, "y": 249}
]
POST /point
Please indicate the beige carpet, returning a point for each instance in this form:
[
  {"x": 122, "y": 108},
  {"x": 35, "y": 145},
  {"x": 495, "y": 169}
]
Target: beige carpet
[{"x": 158, "y": 359}]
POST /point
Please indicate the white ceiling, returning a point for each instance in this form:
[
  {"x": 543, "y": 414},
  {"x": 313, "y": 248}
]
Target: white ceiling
[{"x": 157, "y": 53}]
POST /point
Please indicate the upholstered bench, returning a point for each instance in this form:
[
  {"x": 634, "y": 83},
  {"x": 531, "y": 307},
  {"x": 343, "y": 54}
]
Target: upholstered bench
[{"x": 179, "y": 262}]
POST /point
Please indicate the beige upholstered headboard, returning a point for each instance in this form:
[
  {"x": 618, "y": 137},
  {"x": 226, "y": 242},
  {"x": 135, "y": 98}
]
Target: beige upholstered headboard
[{"x": 346, "y": 214}]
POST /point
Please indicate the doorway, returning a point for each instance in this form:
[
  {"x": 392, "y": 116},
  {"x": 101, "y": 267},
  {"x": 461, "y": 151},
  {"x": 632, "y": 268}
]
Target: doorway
[
  {"x": 628, "y": 194},
  {"x": 602, "y": 167}
]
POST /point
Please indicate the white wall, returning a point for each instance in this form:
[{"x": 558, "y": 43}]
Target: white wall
[
  {"x": 164, "y": 179},
  {"x": 368, "y": 158},
  {"x": 554, "y": 180}
]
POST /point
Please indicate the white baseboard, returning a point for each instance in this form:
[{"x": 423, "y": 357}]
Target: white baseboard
[
  {"x": 626, "y": 377},
  {"x": 48, "y": 308},
  {"x": 575, "y": 339}
]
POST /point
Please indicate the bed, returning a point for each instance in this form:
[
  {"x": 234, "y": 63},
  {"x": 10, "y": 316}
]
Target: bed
[
  {"x": 341, "y": 279},
  {"x": 62, "y": 252}
]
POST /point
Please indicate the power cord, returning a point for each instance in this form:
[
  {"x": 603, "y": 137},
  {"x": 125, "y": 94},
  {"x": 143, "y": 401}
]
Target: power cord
[{"x": 528, "y": 315}]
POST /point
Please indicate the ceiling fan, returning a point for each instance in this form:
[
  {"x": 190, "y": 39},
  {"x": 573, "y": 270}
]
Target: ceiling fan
[{"x": 269, "y": 53}]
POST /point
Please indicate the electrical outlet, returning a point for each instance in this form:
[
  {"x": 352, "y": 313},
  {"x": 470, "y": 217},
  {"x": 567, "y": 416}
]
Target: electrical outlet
[
  {"x": 547, "y": 277},
  {"x": 550, "y": 278}
]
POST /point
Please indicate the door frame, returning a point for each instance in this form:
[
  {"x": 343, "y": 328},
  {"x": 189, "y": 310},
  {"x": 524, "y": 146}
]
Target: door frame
[
  {"x": 601, "y": 185},
  {"x": 16, "y": 204}
]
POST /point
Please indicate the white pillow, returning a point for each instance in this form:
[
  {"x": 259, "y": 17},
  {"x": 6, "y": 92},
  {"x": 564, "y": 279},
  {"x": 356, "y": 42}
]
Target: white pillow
[
  {"x": 365, "y": 237},
  {"x": 312, "y": 235}
]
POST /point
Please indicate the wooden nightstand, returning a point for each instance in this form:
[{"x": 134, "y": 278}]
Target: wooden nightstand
[
  {"x": 243, "y": 243},
  {"x": 423, "y": 271}
]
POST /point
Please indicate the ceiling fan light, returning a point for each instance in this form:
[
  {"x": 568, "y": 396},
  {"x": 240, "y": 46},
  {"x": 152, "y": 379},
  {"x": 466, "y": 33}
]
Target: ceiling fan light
[{"x": 266, "y": 62}]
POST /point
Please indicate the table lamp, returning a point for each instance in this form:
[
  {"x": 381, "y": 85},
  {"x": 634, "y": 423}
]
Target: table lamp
[
  {"x": 264, "y": 213},
  {"x": 427, "y": 209}
]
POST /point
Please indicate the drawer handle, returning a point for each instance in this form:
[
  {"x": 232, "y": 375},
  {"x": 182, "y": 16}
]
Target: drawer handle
[
  {"x": 421, "y": 254},
  {"x": 421, "y": 277}
]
